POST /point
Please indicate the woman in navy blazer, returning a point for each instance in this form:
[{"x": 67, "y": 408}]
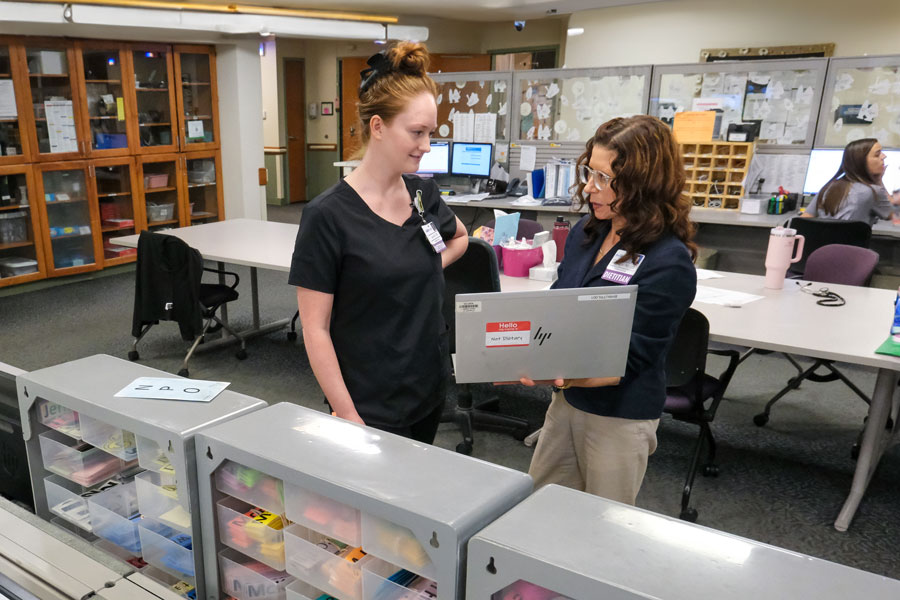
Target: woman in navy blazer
[{"x": 599, "y": 432}]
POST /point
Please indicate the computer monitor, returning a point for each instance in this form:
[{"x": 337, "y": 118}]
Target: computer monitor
[
  {"x": 437, "y": 161},
  {"x": 824, "y": 163},
  {"x": 474, "y": 160}
]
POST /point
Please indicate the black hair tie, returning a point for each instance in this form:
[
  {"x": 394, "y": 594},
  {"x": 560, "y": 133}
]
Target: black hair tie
[{"x": 379, "y": 65}]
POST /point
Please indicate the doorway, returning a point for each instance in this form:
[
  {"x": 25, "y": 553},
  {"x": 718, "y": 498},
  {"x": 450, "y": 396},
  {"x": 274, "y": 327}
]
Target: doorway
[{"x": 295, "y": 122}]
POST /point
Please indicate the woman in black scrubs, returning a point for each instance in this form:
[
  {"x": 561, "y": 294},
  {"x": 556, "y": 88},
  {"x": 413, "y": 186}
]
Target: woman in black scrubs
[{"x": 369, "y": 258}]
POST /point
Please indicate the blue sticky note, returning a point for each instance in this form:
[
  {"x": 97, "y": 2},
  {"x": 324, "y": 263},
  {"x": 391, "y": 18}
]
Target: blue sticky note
[{"x": 507, "y": 226}]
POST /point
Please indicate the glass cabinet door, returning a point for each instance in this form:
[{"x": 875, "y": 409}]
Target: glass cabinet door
[
  {"x": 203, "y": 190},
  {"x": 154, "y": 99},
  {"x": 198, "y": 98},
  {"x": 49, "y": 79},
  {"x": 161, "y": 199},
  {"x": 11, "y": 143},
  {"x": 20, "y": 256},
  {"x": 103, "y": 73},
  {"x": 116, "y": 201},
  {"x": 68, "y": 218}
]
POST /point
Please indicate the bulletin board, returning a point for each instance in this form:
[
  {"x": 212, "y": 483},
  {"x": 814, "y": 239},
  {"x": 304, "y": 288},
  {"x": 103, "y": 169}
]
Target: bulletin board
[
  {"x": 567, "y": 105},
  {"x": 862, "y": 99},
  {"x": 478, "y": 94},
  {"x": 783, "y": 96}
]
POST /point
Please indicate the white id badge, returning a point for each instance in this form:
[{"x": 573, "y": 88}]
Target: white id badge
[
  {"x": 434, "y": 237},
  {"x": 622, "y": 272}
]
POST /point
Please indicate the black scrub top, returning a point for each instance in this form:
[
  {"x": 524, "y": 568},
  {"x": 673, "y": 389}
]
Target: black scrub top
[{"x": 386, "y": 323}]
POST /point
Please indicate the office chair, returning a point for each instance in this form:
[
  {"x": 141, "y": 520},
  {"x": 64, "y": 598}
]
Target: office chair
[
  {"x": 693, "y": 396},
  {"x": 475, "y": 271},
  {"x": 835, "y": 263},
  {"x": 822, "y": 232},
  {"x": 527, "y": 228},
  {"x": 168, "y": 287}
]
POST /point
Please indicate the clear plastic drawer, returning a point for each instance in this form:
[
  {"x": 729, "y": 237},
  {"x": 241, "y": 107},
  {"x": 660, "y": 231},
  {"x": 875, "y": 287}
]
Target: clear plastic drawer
[
  {"x": 181, "y": 588},
  {"x": 158, "y": 499},
  {"x": 152, "y": 457},
  {"x": 246, "y": 579},
  {"x": 322, "y": 514},
  {"x": 77, "y": 461},
  {"x": 328, "y": 564},
  {"x": 115, "y": 516},
  {"x": 69, "y": 500},
  {"x": 59, "y": 417},
  {"x": 244, "y": 528},
  {"x": 167, "y": 549},
  {"x": 109, "y": 438},
  {"x": 396, "y": 544},
  {"x": 300, "y": 590},
  {"x": 122, "y": 554},
  {"x": 376, "y": 587},
  {"x": 251, "y": 486}
]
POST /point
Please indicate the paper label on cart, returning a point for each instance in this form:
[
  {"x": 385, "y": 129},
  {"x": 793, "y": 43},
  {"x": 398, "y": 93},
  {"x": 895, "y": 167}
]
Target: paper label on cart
[
  {"x": 507, "y": 334},
  {"x": 468, "y": 307},
  {"x": 171, "y": 388},
  {"x": 597, "y": 297}
]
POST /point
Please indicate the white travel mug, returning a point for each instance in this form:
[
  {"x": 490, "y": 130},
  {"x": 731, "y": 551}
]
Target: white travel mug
[{"x": 781, "y": 254}]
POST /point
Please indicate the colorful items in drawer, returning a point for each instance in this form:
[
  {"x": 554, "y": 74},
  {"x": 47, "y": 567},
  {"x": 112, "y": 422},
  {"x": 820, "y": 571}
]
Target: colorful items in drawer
[
  {"x": 121, "y": 444},
  {"x": 523, "y": 590},
  {"x": 121, "y": 533},
  {"x": 255, "y": 532},
  {"x": 75, "y": 509},
  {"x": 343, "y": 576},
  {"x": 85, "y": 465},
  {"x": 244, "y": 482},
  {"x": 328, "y": 516},
  {"x": 265, "y": 582},
  {"x": 184, "y": 589},
  {"x": 177, "y": 517},
  {"x": 401, "y": 542},
  {"x": 59, "y": 418},
  {"x": 179, "y": 561}
]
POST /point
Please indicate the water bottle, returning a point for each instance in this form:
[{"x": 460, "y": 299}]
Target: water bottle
[
  {"x": 781, "y": 254},
  {"x": 560, "y": 233},
  {"x": 895, "y": 326}
]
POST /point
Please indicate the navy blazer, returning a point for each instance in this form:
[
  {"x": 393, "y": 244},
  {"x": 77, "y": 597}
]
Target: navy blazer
[{"x": 667, "y": 282}]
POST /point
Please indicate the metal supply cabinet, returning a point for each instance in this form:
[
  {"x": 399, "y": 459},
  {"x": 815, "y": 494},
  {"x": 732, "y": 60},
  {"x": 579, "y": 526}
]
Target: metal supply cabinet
[
  {"x": 563, "y": 544},
  {"x": 133, "y": 487},
  {"x": 407, "y": 505}
]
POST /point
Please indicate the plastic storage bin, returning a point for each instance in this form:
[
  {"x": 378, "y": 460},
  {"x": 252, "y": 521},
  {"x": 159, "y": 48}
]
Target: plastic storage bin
[
  {"x": 157, "y": 496},
  {"x": 249, "y": 534},
  {"x": 322, "y": 514},
  {"x": 115, "y": 516},
  {"x": 59, "y": 417},
  {"x": 122, "y": 554},
  {"x": 246, "y": 579},
  {"x": 167, "y": 549},
  {"x": 182, "y": 588},
  {"x": 160, "y": 212},
  {"x": 300, "y": 590},
  {"x": 377, "y": 587},
  {"x": 156, "y": 180},
  {"x": 251, "y": 486},
  {"x": 314, "y": 558},
  {"x": 14, "y": 227},
  {"x": 395, "y": 544},
  {"x": 65, "y": 499},
  {"x": 152, "y": 457},
  {"x": 109, "y": 438},
  {"x": 77, "y": 461},
  {"x": 13, "y": 266}
]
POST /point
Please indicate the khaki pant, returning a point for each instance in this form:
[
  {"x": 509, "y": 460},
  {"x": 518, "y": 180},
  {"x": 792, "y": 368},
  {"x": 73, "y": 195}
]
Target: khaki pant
[{"x": 604, "y": 456}]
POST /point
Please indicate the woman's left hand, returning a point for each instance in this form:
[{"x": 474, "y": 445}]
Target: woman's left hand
[{"x": 532, "y": 383}]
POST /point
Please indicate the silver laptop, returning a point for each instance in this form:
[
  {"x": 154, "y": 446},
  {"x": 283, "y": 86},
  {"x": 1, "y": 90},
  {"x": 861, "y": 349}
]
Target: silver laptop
[{"x": 548, "y": 334}]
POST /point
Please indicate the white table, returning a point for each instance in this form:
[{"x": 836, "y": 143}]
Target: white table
[{"x": 246, "y": 242}]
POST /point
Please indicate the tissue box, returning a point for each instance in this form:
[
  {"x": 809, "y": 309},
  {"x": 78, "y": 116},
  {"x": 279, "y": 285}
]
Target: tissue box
[
  {"x": 516, "y": 263},
  {"x": 542, "y": 273}
]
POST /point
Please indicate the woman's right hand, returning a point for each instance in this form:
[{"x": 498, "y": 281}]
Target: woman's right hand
[{"x": 351, "y": 416}]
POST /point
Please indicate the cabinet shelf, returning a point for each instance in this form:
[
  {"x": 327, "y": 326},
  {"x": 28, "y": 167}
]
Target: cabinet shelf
[
  {"x": 114, "y": 195},
  {"x": 15, "y": 245},
  {"x": 198, "y": 118},
  {"x": 157, "y": 190},
  {"x": 140, "y": 89},
  {"x": 158, "y": 223},
  {"x": 201, "y": 215},
  {"x": 107, "y": 117},
  {"x": 15, "y": 207},
  {"x": 69, "y": 236},
  {"x": 198, "y": 185},
  {"x": 55, "y": 202},
  {"x": 51, "y": 75},
  {"x": 108, "y": 228},
  {"x": 5, "y": 75},
  {"x": 195, "y": 83},
  {"x": 154, "y": 124},
  {"x": 9, "y": 120},
  {"x": 103, "y": 81}
]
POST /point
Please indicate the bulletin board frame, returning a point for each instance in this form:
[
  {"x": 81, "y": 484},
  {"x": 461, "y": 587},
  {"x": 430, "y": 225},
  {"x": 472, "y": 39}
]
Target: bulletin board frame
[{"x": 504, "y": 122}]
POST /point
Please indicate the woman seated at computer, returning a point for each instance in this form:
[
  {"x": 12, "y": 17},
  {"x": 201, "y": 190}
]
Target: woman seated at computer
[
  {"x": 368, "y": 261},
  {"x": 599, "y": 432},
  {"x": 856, "y": 192}
]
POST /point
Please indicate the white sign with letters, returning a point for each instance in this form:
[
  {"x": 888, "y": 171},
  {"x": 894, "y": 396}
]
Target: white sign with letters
[{"x": 171, "y": 388}]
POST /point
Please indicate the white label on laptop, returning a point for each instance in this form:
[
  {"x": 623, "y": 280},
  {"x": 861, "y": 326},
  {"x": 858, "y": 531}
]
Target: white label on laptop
[
  {"x": 507, "y": 334},
  {"x": 468, "y": 307},
  {"x": 621, "y": 272},
  {"x": 596, "y": 297}
]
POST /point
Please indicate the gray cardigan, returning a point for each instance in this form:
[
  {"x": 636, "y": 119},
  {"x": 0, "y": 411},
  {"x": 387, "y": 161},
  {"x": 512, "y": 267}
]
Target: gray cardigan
[{"x": 863, "y": 203}]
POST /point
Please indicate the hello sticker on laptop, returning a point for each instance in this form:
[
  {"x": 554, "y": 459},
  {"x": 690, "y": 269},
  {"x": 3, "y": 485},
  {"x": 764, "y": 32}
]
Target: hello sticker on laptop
[
  {"x": 622, "y": 272},
  {"x": 507, "y": 334}
]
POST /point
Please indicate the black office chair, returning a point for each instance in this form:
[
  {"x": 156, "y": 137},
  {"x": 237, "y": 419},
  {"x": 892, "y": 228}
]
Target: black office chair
[
  {"x": 168, "y": 287},
  {"x": 835, "y": 263},
  {"x": 693, "y": 396},
  {"x": 475, "y": 271},
  {"x": 822, "y": 232}
]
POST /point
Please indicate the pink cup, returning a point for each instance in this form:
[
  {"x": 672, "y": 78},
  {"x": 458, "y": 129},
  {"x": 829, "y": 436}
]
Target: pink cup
[{"x": 516, "y": 263}]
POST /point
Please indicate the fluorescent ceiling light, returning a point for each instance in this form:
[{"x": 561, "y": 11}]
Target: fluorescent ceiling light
[{"x": 573, "y": 31}]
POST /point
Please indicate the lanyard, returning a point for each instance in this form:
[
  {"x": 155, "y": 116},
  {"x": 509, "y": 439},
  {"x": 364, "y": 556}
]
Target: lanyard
[{"x": 419, "y": 205}]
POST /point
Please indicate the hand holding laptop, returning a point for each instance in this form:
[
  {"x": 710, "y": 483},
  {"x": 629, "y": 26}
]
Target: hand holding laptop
[{"x": 566, "y": 383}]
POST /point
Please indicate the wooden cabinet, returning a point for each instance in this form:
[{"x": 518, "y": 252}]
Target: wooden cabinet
[
  {"x": 21, "y": 246},
  {"x": 202, "y": 182},
  {"x": 161, "y": 182},
  {"x": 69, "y": 217},
  {"x": 104, "y": 75},
  {"x": 198, "y": 99},
  {"x": 15, "y": 144},
  {"x": 153, "y": 91},
  {"x": 118, "y": 206},
  {"x": 52, "y": 92}
]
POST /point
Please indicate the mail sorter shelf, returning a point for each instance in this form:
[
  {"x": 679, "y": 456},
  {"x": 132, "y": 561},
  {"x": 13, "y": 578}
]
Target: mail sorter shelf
[
  {"x": 120, "y": 470},
  {"x": 297, "y": 504},
  {"x": 564, "y": 544}
]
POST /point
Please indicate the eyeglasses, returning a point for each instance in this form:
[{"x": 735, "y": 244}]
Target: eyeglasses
[
  {"x": 588, "y": 175},
  {"x": 826, "y": 296}
]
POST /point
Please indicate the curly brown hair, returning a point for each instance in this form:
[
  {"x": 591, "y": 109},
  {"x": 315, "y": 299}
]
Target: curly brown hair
[{"x": 648, "y": 183}]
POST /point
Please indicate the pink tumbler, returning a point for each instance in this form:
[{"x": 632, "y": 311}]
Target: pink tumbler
[{"x": 781, "y": 254}]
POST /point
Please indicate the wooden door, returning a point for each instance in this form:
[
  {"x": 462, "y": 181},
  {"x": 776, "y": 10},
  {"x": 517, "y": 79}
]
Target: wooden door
[
  {"x": 160, "y": 182},
  {"x": 295, "y": 119},
  {"x": 104, "y": 73},
  {"x": 115, "y": 186},
  {"x": 457, "y": 63},
  {"x": 350, "y": 80},
  {"x": 153, "y": 97},
  {"x": 21, "y": 244},
  {"x": 198, "y": 97},
  {"x": 202, "y": 182},
  {"x": 15, "y": 137}
]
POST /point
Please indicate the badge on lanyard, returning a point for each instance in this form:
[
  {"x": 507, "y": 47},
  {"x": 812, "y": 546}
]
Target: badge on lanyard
[
  {"x": 622, "y": 272},
  {"x": 431, "y": 232}
]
